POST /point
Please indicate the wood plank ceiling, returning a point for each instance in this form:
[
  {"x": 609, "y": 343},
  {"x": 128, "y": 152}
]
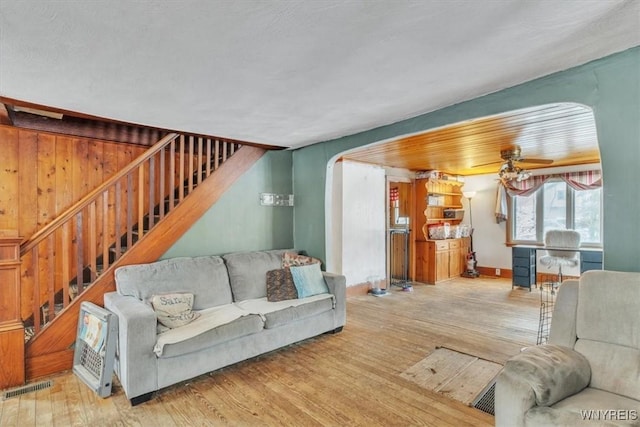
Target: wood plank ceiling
[{"x": 564, "y": 133}]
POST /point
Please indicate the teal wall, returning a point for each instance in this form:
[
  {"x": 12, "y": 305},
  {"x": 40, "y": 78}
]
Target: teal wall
[
  {"x": 610, "y": 86},
  {"x": 237, "y": 222}
]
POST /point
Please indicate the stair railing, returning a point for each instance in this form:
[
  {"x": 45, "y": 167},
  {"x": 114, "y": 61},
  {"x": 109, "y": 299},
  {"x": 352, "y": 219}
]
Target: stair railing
[{"x": 68, "y": 254}]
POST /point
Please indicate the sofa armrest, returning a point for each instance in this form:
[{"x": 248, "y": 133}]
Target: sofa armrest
[
  {"x": 539, "y": 376},
  {"x": 338, "y": 287},
  {"x": 136, "y": 361}
]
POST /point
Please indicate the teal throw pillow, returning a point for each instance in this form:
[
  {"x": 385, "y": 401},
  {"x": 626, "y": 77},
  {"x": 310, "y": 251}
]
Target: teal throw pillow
[{"x": 308, "y": 280}]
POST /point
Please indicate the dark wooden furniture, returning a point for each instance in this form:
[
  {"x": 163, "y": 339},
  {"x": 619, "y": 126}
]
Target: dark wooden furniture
[{"x": 523, "y": 263}]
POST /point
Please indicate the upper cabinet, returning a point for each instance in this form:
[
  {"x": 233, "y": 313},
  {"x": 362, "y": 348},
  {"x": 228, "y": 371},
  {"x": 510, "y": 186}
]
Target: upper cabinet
[{"x": 438, "y": 201}]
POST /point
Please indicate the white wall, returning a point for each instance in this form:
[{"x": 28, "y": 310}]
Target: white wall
[
  {"x": 489, "y": 238},
  {"x": 363, "y": 221},
  {"x": 334, "y": 227}
]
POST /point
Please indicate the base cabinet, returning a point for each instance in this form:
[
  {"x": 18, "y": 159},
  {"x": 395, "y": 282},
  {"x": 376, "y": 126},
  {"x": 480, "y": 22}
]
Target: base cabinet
[{"x": 439, "y": 260}]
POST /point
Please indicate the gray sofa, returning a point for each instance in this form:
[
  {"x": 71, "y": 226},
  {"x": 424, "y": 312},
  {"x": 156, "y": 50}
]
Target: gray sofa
[
  {"x": 231, "y": 287},
  {"x": 589, "y": 373}
]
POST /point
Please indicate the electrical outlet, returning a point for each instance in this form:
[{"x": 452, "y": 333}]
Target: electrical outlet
[{"x": 497, "y": 271}]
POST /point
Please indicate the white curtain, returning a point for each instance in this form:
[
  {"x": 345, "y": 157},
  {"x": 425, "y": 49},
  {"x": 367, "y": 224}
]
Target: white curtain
[{"x": 501, "y": 204}]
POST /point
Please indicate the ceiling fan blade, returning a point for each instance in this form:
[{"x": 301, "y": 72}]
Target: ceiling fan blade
[
  {"x": 487, "y": 164},
  {"x": 539, "y": 161}
]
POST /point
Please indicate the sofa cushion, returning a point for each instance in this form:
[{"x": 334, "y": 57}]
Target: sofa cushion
[
  {"x": 174, "y": 310},
  {"x": 308, "y": 280},
  {"x": 615, "y": 322},
  {"x": 614, "y": 368},
  {"x": 240, "y": 327},
  {"x": 248, "y": 272},
  {"x": 282, "y": 312},
  {"x": 291, "y": 314},
  {"x": 280, "y": 285},
  {"x": 607, "y": 322},
  {"x": 205, "y": 277}
]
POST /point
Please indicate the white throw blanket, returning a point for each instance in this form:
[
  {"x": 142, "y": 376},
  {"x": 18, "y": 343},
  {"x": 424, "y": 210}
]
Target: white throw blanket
[{"x": 211, "y": 318}]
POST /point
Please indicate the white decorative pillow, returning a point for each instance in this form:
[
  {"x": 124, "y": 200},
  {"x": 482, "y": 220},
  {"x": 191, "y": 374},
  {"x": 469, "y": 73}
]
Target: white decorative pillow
[{"x": 174, "y": 310}]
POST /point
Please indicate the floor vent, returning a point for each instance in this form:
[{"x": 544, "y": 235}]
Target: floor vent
[
  {"x": 26, "y": 389},
  {"x": 486, "y": 400}
]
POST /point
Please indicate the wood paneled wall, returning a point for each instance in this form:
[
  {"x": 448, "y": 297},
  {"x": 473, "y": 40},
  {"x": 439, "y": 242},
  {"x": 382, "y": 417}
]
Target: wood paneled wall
[{"x": 43, "y": 174}]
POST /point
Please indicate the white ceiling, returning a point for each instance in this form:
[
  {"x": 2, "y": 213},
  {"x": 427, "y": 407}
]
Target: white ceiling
[{"x": 292, "y": 73}]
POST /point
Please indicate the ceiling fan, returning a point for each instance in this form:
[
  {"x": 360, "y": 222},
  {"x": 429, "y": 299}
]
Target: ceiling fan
[{"x": 509, "y": 170}]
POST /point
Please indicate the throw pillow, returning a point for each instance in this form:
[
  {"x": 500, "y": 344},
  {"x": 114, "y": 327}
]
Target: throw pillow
[
  {"x": 308, "y": 280},
  {"x": 292, "y": 259},
  {"x": 280, "y": 285},
  {"x": 174, "y": 310}
]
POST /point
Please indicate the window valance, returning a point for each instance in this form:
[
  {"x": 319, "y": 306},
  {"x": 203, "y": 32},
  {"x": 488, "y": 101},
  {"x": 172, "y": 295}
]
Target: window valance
[{"x": 584, "y": 180}]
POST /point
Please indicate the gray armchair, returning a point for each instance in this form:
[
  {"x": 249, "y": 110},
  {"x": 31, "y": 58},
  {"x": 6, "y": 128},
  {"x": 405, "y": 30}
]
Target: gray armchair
[{"x": 589, "y": 373}]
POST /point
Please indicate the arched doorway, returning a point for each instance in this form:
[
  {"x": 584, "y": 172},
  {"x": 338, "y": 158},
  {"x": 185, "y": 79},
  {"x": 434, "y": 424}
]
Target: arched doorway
[{"x": 564, "y": 133}]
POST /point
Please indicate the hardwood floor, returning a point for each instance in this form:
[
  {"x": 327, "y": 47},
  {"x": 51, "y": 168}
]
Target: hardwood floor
[{"x": 351, "y": 378}]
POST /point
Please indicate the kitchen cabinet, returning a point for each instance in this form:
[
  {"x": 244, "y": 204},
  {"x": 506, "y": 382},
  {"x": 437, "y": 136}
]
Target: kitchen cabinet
[{"x": 439, "y": 260}]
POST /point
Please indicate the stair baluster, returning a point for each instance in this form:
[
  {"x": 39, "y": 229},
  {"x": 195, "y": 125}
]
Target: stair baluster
[{"x": 72, "y": 251}]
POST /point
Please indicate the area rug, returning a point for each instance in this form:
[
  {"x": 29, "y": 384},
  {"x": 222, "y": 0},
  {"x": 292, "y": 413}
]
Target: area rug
[{"x": 453, "y": 374}]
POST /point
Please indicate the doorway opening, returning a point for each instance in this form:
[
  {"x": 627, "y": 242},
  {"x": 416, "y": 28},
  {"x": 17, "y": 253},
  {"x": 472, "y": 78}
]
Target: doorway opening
[
  {"x": 471, "y": 153},
  {"x": 399, "y": 203}
]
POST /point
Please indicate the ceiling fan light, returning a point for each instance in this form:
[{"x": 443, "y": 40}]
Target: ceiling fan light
[
  {"x": 523, "y": 175},
  {"x": 509, "y": 172},
  {"x": 508, "y": 175}
]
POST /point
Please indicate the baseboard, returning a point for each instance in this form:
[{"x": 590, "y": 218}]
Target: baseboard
[
  {"x": 361, "y": 289},
  {"x": 491, "y": 272},
  {"x": 357, "y": 290}
]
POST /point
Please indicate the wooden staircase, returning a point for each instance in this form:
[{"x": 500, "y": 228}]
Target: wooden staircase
[{"x": 133, "y": 217}]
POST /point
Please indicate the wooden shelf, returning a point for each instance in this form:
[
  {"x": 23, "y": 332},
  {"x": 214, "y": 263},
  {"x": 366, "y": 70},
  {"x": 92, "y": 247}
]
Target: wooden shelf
[
  {"x": 446, "y": 182},
  {"x": 447, "y": 194},
  {"x": 439, "y": 193}
]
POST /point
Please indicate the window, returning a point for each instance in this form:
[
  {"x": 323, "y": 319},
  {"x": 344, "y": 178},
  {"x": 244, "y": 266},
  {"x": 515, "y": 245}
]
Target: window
[
  {"x": 588, "y": 215},
  {"x": 524, "y": 218},
  {"x": 557, "y": 205}
]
